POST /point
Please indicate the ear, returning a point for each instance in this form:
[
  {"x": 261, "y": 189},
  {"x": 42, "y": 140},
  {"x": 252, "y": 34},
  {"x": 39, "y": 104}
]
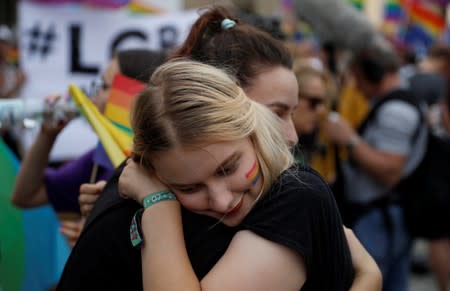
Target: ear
[{"x": 139, "y": 159}]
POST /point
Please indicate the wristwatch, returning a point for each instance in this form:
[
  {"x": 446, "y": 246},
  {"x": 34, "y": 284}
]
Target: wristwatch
[{"x": 352, "y": 143}]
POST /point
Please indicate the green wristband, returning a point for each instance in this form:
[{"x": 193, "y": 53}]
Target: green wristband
[{"x": 157, "y": 197}]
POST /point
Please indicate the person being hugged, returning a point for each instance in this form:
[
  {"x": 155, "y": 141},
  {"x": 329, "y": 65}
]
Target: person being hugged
[{"x": 201, "y": 144}]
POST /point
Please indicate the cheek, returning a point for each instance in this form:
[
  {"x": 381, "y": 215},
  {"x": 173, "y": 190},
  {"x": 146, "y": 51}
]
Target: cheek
[
  {"x": 193, "y": 202},
  {"x": 252, "y": 174},
  {"x": 100, "y": 99}
]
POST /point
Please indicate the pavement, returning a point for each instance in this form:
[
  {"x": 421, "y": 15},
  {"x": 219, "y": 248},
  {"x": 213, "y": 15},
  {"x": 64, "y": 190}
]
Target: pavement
[{"x": 425, "y": 281}]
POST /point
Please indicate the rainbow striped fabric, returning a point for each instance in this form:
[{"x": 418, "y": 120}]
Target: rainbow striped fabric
[
  {"x": 121, "y": 97},
  {"x": 358, "y": 4},
  {"x": 113, "y": 128},
  {"x": 32, "y": 250},
  {"x": 427, "y": 14}
]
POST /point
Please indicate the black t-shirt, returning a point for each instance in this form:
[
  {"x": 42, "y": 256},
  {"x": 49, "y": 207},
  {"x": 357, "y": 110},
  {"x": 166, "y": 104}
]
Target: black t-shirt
[{"x": 299, "y": 212}]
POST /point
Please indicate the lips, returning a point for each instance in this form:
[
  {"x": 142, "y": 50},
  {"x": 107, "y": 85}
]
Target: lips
[{"x": 237, "y": 207}]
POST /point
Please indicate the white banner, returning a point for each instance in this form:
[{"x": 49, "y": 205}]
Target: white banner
[
  {"x": 70, "y": 43},
  {"x": 62, "y": 44}
]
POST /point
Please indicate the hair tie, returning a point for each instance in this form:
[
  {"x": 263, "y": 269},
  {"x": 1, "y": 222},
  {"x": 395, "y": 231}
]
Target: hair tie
[{"x": 227, "y": 24}]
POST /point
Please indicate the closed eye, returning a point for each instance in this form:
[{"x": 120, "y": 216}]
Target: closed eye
[
  {"x": 188, "y": 189},
  {"x": 227, "y": 170}
]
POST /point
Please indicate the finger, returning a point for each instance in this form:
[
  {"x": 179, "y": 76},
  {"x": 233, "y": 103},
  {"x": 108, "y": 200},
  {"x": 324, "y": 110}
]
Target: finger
[
  {"x": 86, "y": 209},
  {"x": 71, "y": 236},
  {"x": 124, "y": 196},
  {"x": 70, "y": 233},
  {"x": 70, "y": 225},
  {"x": 100, "y": 185},
  {"x": 87, "y": 198},
  {"x": 89, "y": 188}
]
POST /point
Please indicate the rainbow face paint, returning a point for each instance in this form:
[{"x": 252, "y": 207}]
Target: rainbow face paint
[{"x": 254, "y": 174}]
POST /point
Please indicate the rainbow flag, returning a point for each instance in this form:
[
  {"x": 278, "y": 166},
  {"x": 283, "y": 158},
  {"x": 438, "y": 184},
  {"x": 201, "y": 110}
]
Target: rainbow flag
[
  {"x": 393, "y": 11},
  {"x": 422, "y": 13},
  {"x": 140, "y": 8},
  {"x": 358, "y": 4},
  {"x": 113, "y": 128},
  {"x": 32, "y": 251},
  {"x": 12, "y": 244},
  {"x": 121, "y": 97},
  {"x": 115, "y": 141}
]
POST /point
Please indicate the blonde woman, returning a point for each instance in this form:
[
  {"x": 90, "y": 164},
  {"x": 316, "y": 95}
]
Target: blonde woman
[{"x": 200, "y": 139}]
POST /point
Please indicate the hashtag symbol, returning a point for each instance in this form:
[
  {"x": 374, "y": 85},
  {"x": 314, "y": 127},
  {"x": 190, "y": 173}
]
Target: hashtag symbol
[{"x": 41, "y": 40}]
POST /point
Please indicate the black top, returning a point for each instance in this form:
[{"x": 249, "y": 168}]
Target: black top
[
  {"x": 299, "y": 212},
  {"x": 433, "y": 205}
]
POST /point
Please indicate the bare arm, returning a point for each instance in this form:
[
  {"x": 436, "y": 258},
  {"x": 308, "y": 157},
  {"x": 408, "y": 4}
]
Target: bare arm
[
  {"x": 385, "y": 167},
  {"x": 250, "y": 262},
  {"x": 29, "y": 190},
  {"x": 367, "y": 274}
]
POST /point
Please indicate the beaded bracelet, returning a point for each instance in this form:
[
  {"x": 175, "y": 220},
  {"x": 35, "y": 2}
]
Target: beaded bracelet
[{"x": 136, "y": 235}]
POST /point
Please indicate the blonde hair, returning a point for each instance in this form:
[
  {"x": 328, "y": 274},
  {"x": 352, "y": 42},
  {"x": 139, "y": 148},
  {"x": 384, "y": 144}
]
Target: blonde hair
[
  {"x": 188, "y": 103},
  {"x": 312, "y": 67}
]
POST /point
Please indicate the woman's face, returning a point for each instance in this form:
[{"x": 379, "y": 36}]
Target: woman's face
[
  {"x": 220, "y": 180},
  {"x": 101, "y": 95},
  {"x": 277, "y": 89},
  {"x": 311, "y": 104}
]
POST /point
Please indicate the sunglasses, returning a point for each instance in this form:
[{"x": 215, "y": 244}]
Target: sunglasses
[{"x": 313, "y": 101}]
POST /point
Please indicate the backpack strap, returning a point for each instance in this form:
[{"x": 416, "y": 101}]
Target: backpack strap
[{"x": 401, "y": 95}]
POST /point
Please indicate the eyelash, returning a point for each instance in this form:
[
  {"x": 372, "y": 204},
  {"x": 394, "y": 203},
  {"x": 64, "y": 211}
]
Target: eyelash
[
  {"x": 225, "y": 171},
  {"x": 228, "y": 170},
  {"x": 189, "y": 190}
]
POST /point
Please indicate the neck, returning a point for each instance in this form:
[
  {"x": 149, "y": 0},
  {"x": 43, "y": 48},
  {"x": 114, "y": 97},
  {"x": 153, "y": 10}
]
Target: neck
[{"x": 389, "y": 83}]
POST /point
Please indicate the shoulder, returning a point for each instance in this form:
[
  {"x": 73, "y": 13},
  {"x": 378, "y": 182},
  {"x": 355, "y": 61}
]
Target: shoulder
[
  {"x": 398, "y": 116},
  {"x": 399, "y": 106},
  {"x": 103, "y": 256},
  {"x": 301, "y": 183},
  {"x": 299, "y": 197}
]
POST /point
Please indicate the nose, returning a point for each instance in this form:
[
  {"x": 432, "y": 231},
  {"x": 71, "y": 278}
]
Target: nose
[
  {"x": 290, "y": 134},
  {"x": 321, "y": 108},
  {"x": 220, "y": 198}
]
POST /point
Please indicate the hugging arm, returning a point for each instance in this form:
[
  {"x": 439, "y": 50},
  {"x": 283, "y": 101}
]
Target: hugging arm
[
  {"x": 367, "y": 274},
  {"x": 244, "y": 266}
]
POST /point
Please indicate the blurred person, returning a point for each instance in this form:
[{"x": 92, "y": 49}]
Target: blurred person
[
  {"x": 439, "y": 241},
  {"x": 37, "y": 184},
  {"x": 436, "y": 61},
  {"x": 312, "y": 95},
  {"x": 390, "y": 147},
  {"x": 263, "y": 67},
  {"x": 12, "y": 80},
  {"x": 314, "y": 98},
  {"x": 428, "y": 82}
]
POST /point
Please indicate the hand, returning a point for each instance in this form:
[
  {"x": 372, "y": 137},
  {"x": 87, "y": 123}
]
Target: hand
[
  {"x": 89, "y": 194},
  {"x": 338, "y": 129},
  {"x": 20, "y": 78},
  {"x": 53, "y": 120},
  {"x": 71, "y": 230},
  {"x": 136, "y": 182}
]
